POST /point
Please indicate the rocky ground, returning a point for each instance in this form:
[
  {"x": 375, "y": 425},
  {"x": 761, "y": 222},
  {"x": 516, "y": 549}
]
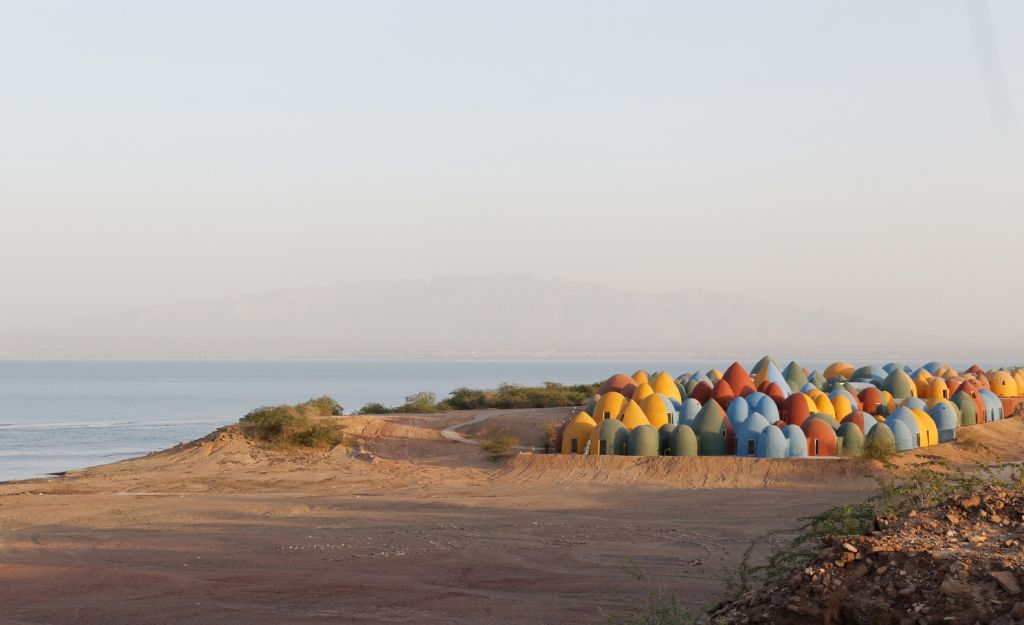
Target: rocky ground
[{"x": 961, "y": 562}]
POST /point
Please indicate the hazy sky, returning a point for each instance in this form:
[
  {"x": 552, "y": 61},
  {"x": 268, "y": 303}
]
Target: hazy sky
[{"x": 848, "y": 151}]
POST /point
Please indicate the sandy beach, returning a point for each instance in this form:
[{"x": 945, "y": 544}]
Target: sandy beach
[{"x": 406, "y": 527}]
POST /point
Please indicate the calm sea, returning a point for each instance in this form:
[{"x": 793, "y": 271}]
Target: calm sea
[{"x": 61, "y": 415}]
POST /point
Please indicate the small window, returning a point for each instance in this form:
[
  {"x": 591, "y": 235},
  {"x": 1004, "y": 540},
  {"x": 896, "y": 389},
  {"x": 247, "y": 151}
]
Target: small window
[
  {"x": 604, "y": 447},
  {"x": 574, "y": 445},
  {"x": 817, "y": 447},
  {"x": 607, "y": 415},
  {"x": 751, "y": 447}
]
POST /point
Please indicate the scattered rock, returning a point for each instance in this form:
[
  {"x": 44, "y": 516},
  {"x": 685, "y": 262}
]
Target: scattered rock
[{"x": 1008, "y": 581}]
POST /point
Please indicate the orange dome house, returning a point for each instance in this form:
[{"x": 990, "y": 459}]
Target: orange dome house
[
  {"x": 821, "y": 438},
  {"x": 739, "y": 380},
  {"x": 794, "y": 409},
  {"x": 616, "y": 383},
  {"x": 723, "y": 394},
  {"x": 870, "y": 399},
  {"x": 702, "y": 392}
]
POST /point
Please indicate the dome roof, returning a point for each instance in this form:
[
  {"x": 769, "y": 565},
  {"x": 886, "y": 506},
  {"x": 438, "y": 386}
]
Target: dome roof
[
  {"x": 906, "y": 416},
  {"x": 899, "y": 384},
  {"x": 689, "y": 410},
  {"x": 966, "y": 406},
  {"x": 615, "y": 435},
  {"x": 641, "y": 377},
  {"x": 738, "y": 379},
  {"x": 738, "y": 411},
  {"x": 795, "y": 409},
  {"x": 609, "y": 406},
  {"x": 633, "y": 416},
  {"x": 820, "y": 431},
  {"x": 701, "y": 392},
  {"x": 839, "y": 369},
  {"x": 852, "y": 439},
  {"x": 797, "y": 441},
  {"x": 1003, "y": 384},
  {"x": 617, "y": 382},
  {"x": 760, "y": 365},
  {"x": 870, "y": 398},
  {"x": 824, "y": 405},
  {"x": 683, "y": 441},
  {"x": 902, "y": 434},
  {"x": 642, "y": 392},
  {"x": 772, "y": 443},
  {"x": 945, "y": 415},
  {"x": 794, "y": 374},
  {"x": 658, "y": 409},
  {"x": 871, "y": 373},
  {"x": 711, "y": 418},
  {"x": 723, "y": 393},
  {"x": 862, "y": 420},
  {"x": 765, "y": 405},
  {"x": 664, "y": 384},
  {"x": 643, "y": 441}
]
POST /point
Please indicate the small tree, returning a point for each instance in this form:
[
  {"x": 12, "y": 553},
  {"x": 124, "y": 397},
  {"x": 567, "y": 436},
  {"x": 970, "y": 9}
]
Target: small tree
[
  {"x": 499, "y": 446},
  {"x": 551, "y": 431}
]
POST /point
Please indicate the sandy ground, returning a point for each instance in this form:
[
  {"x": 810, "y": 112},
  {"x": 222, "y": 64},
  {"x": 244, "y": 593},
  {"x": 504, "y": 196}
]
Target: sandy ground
[{"x": 406, "y": 528}]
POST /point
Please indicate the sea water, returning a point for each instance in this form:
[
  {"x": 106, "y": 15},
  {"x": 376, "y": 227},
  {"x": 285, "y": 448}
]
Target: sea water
[{"x": 62, "y": 415}]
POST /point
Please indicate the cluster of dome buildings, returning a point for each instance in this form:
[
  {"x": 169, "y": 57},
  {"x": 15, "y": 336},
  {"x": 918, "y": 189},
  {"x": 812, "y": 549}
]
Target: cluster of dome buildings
[{"x": 789, "y": 412}]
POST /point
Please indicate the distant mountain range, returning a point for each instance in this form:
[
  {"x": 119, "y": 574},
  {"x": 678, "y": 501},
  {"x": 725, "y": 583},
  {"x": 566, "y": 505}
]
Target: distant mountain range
[{"x": 464, "y": 316}]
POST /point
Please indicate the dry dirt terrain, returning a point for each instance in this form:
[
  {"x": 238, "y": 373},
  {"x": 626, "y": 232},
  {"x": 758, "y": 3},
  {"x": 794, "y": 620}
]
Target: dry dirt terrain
[{"x": 404, "y": 527}]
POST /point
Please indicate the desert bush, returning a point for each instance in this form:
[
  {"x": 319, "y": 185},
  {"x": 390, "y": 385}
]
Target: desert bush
[
  {"x": 422, "y": 402},
  {"x": 374, "y": 407},
  {"x": 551, "y": 431},
  {"x": 877, "y": 448},
  {"x": 324, "y": 406},
  {"x": 499, "y": 446},
  {"x": 309, "y": 425}
]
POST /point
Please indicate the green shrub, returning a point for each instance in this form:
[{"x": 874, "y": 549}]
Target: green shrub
[
  {"x": 322, "y": 407},
  {"x": 374, "y": 407},
  {"x": 309, "y": 424},
  {"x": 878, "y": 448},
  {"x": 422, "y": 402},
  {"x": 499, "y": 446}
]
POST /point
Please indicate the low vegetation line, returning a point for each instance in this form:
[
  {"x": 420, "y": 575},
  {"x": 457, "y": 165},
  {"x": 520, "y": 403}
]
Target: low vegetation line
[{"x": 507, "y": 396}]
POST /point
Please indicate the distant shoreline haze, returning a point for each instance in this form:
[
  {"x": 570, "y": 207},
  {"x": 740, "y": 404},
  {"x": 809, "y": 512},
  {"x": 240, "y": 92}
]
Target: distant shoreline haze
[{"x": 499, "y": 317}]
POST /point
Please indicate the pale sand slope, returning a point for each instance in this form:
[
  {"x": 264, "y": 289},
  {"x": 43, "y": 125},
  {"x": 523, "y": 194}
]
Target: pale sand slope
[{"x": 220, "y": 531}]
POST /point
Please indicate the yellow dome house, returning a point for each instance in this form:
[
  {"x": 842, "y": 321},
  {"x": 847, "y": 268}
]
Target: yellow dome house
[
  {"x": 1003, "y": 384},
  {"x": 633, "y": 416},
  {"x": 577, "y": 433},
  {"x": 836, "y": 369},
  {"x": 609, "y": 406},
  {"x": 656, "y": 410},
  {"x": 664, "y": 384},
  {"x": 642, "y": 392}
]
